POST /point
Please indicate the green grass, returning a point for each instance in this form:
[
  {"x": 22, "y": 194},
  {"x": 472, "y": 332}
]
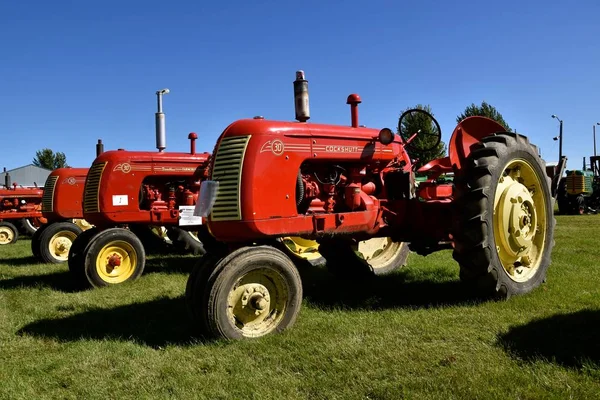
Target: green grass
[{"x": 414, "y": 335}]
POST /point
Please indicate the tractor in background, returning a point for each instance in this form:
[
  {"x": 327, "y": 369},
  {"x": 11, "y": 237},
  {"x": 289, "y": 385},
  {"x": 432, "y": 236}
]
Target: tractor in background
[
  {"x": 579, "y": 190},
  {"x": 128, "y": 192},
  {"x": 343, "y": 185},
  {"x": 19, "y": 208}
]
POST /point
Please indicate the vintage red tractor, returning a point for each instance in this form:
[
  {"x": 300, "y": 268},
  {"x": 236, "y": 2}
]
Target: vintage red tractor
[
  {"x": 19, "y": 207},
  {"x": 125, "y": 192},
  {"x": 61, "y": 207},
  {"x": 341, "y": 185}
]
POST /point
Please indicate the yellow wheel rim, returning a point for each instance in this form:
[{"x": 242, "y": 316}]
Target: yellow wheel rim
[
  {"x": 303, "y": 248},
  {"x": 60, "y": 244},
  {"x": 6, "y": 235},
  {"x": 116, "y": 262},
  {"x": 520, "y": 220},
  {"x": 378, "y": 251},
  {"x": 83, "y": 224},
  {"x": 257, "y": 302}
]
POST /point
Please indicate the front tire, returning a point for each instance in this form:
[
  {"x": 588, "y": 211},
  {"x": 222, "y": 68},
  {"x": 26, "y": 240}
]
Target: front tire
[
  {"x": 8, "y": 233},
  {"x": 114, "y": 256},
  {"x": 56, "y": 240},
  {"x": 376, "y": 256},
  {"x": 253, "y": 292},
  {"x": 504, "y": 224}
]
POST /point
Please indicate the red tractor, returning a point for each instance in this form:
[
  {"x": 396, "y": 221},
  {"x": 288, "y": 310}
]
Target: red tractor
[
  {"x": 61, "y": 207},
  {"x": 342, "y": 185},
  {"x": 19, "y": 207},
  {"x": 125, "y": 193}
]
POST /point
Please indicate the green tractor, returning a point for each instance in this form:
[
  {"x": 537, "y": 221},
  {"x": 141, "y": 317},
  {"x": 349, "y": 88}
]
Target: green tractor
[{"x": 579, "y": 191}]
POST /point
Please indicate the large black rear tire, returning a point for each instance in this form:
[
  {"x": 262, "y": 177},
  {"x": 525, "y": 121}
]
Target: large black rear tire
[{"x": 504, "y": 224}]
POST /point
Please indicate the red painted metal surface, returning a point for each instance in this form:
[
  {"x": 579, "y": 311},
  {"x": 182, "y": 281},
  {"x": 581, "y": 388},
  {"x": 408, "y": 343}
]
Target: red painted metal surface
[
  {"x": 17, "y": 203},
  {"x": 132, "y": 186},
  {"x": 64, "y": 198},
  {"x": 375, "y": 194}
]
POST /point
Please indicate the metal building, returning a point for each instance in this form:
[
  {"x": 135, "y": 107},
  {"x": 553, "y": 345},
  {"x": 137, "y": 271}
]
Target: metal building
[{"x": 26, "y": 176}]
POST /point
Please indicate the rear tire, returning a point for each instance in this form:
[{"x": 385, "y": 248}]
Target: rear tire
[
  {"x": 8, "y": 233},
  {"x": 35, "y": 242},
  {"x": 504, "y": 223},
  {"x": 27, "y": 226}
]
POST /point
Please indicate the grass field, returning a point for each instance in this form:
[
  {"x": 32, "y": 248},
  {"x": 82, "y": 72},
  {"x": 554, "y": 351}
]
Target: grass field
[{"x": 410, "y": 335}]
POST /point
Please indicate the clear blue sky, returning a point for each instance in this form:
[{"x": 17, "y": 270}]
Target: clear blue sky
[{"x": 73, "y": 72}]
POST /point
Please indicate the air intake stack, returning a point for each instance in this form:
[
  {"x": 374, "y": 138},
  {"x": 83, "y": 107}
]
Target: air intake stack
[
  {"x": 6, "y": 179},
  {"x": 161, "y": 135}
]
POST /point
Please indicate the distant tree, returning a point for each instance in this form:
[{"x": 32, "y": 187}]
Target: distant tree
[
  {"x": 484, "y": 110},
  {"x": 46, "y": 158},
  {"x": 418, "y": 121}
]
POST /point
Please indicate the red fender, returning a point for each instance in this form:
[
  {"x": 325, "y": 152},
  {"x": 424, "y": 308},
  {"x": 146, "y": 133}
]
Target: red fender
[{"x": 468, "y": 132}]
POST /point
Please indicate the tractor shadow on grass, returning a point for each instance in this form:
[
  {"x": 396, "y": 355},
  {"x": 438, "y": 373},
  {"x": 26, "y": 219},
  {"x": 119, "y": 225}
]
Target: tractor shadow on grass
[
  {"x": 20, "y": 261},
  {"x": 60, "y": 281},
  {"x": 171, "y": 264},
  {"x": 156, "y": 324},
  {"x": 569, "y": 340},
  {"x": 402, "y": 289}
]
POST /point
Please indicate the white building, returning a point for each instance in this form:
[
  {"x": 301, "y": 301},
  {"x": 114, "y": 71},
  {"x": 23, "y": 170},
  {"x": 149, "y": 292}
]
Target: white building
[{"x": 26, "y": 176}]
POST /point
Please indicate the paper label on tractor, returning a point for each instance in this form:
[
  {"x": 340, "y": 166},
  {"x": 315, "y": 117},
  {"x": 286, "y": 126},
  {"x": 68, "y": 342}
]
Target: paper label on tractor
[
  {"x": 187, "y": 217},
  {"x": 120, "y": 200}
]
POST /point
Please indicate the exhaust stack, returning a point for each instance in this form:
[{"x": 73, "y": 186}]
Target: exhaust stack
[
  {"x": 99, "y": 148},
  {"x": 6, "y": 179},
  {"x": 301, "y": 97},
  {"x": 161, "y": 135}
]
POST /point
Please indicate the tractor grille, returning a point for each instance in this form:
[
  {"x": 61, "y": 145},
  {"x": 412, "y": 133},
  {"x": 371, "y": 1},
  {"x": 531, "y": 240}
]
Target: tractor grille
[
  {"x": 227, "y": 170},
  {"x": 92, "y": 188},
  {"x": 48, "y": 197},
  {"x": 578, "y": 184}
]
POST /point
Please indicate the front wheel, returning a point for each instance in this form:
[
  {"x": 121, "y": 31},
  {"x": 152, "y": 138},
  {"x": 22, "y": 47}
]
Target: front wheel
[
  {"x": 252, "y": 292},
  {"x": 376, "y": 256},
  {"x": 56, "y": 240},
  {"x": 113, "y": 256},
  {"x": 8, "y": 233},
  {"x": 504, "y": 224}
]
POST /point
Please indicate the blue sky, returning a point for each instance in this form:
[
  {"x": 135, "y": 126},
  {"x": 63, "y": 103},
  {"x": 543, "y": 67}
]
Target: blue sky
[{"x": 73, "y": 72}]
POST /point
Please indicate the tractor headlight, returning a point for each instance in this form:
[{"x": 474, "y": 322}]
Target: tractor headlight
[
  {"x": 206, "y": 199},
  {"x": 386, "y": 136}
]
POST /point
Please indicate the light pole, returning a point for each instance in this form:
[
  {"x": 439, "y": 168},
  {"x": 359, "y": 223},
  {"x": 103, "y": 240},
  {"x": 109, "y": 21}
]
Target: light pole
[
  {"x": 559, "y": 137},
  {"x": 594, "y": 126}
]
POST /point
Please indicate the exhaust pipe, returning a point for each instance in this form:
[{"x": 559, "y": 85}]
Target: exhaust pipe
[
  {"x": 161, "y": 135},
  {"x": 6, "y": 179},
  {"x": 301, "y": 97},
  {"x": 99, "y": 148}
]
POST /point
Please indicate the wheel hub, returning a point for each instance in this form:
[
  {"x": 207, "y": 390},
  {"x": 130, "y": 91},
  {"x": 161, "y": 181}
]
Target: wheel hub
[
  {"x": 255, "y": 298},
  {"x": 519, "y": 220},
  {"x": 114, "y": 260},
  {"x": 5, "y": 235}
]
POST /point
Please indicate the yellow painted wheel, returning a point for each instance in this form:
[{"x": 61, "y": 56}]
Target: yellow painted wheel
[
  {"x": 381, "y": 253},
  {"x": 252, "y": 292},
  {"x": 257, "y": 302},
  {"x": 503, "y": 228},
  {"x": 116, "y": 262},
  {"x": 520, "y": 220},
  {"x": 60, "y": 244},
  {"x": 8, "y": 233}
]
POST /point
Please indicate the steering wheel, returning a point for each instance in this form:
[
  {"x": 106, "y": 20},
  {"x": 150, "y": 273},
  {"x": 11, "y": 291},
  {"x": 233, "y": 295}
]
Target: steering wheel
[{"x": 419, "y": 130}]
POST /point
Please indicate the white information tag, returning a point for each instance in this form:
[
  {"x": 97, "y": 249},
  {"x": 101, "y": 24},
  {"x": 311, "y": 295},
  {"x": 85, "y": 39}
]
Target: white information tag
[
  {"x": 120, "y": 200},
  {"x": 187, "y": 217}
]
